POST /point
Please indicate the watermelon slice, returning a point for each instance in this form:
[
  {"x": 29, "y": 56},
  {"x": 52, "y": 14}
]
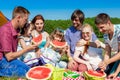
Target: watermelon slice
[
  {"x": 39, "y": 73},
  {"x": 94, "y": 75},
  {"x": 37, "y": 39},
  {"x": 58, "y": 44}
]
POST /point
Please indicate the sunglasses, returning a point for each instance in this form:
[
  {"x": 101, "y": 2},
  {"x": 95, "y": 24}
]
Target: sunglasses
[{"x": 86, "y": 33}]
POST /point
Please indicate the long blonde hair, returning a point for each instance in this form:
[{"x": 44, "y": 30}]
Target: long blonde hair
[{"x": 90, "y": 27}]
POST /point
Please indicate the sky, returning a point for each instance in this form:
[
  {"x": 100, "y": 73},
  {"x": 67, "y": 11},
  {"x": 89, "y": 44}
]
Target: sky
[{"x": 62, "y": 9}]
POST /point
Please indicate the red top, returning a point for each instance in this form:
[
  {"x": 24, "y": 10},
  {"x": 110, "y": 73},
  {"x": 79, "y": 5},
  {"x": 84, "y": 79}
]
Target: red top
[{"x": 8, "y": 39}]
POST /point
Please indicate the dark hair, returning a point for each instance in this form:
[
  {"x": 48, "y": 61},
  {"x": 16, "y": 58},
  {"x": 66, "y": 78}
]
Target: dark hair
[
  {"x": 19, "y": 10},
  {"x": 26, "y": 27},
  {"x": 78, "y": 14},
  {"x": 37, "y": 17},
  {"x": 102, "y": 18}
]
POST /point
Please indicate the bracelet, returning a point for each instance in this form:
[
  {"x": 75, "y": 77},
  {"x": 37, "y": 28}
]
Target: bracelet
[
  {"x": 88, "y": 43},
  {"x": 70, "y": 58}
]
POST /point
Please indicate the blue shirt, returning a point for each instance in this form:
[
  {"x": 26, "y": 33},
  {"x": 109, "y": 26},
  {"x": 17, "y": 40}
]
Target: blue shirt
[{"x": 72, "y": 36}]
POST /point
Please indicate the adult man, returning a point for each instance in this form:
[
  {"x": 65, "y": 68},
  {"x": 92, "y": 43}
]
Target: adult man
[
  {"x": 9, "y": 65},
  {"x": 112, "y": 41},
  {"x": 73, "y": 35}
]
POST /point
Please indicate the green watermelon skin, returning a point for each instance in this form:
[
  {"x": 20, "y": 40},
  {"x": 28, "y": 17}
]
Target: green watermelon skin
[{"x": 89, "y": 77}]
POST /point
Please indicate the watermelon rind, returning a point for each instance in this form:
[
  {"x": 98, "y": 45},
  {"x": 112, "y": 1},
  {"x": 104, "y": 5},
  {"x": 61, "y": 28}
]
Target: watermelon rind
[
  {"x": 91, "y": 77},
  {"x": 30, "y": 78}
]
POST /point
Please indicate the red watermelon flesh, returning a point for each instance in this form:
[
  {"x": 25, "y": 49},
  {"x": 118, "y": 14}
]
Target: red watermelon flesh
[
  {"x": 38, "y": 38},
  {"x": 58, "y": 43},
  {"x": 39, "y": 73},
  {"x": 95, "y": 73}
]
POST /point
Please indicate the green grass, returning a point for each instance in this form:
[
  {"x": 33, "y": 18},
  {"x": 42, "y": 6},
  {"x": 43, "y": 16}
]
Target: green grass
[
  {"x": 101, "y": 39},
  {"x": 11, "y": 78}
]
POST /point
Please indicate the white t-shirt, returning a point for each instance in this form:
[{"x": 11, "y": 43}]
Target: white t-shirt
[{"x": 93, "y": 55}]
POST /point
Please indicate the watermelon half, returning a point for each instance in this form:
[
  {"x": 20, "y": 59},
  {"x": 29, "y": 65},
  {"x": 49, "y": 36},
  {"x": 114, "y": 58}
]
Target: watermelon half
[
  {"x": 94, "y": 75},
  {"x": 37, "y": 39},
  {"x": 39, "y": 73},
  {"x": 58, "y": 44}
]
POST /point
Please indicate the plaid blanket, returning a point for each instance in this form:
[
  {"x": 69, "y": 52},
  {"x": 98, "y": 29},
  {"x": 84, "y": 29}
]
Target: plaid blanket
[{"x": 82, "y": 78}]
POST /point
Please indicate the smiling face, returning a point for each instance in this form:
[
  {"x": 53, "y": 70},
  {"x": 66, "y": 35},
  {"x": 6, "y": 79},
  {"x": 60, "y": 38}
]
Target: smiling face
[
  {"x": 87, "y": 32},
  {"x": 104, "y": 28},
  {"x": 39, "y": 24},
  {"x": 76, "y": 23}
]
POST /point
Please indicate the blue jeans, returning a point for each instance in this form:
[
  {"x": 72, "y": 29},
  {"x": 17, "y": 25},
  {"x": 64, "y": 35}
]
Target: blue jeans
[
  {"x": 115, "y": 66},
  {"x": 112, "y": 67},
  {"x": 14, "y": 68}
]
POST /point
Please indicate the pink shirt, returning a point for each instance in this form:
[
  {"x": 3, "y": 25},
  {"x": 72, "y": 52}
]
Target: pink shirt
[{"x": 8, "y": 39}]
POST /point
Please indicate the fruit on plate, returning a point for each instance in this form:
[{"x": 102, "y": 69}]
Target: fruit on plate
[
  {"x": 94, "y": 75},
  {"x": 39, "y": 73}
]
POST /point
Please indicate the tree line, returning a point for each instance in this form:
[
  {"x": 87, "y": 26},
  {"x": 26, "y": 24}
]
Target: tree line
[{"x": 50, "y": 25}]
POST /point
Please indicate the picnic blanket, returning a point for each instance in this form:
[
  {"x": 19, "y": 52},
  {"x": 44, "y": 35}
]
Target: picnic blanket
[{"x": 82, "y": 78}]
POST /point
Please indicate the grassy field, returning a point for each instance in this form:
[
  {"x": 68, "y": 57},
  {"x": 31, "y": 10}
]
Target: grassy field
[
  {"x": 101, "y": 39},
  {"x": 12, "y": 78}
]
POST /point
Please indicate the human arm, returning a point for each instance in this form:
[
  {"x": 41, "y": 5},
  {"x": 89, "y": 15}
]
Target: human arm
[
  {"x": 82, "y": 42},
  {"x": 114, "y": 75},
  {"x": 38, "y": 52},
  {"x": 33, "y": 33},
  {"x": 80, "y": 60},
  {"x": 94, "y": 42},
  {"x": 72, "y": 64},
  {"x": 97, "y": 43},
  {"x": 113, "y": 59},
  {"x": 107, "y": 55},
  {"x": 22, "y": 43},
  {"x": 12, "y": 55}
]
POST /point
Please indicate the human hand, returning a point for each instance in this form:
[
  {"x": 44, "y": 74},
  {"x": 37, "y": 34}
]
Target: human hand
[
  {"x": 38, "y": 54},
  {"x": 112, "y": 76},
  {"x": 72, "y": 65},
  {"x": 89, "y": 66},
  {"x": 102, "y": 65},
  {"x": 81, "y": 42},
  {"x": 31, "y": 47}
]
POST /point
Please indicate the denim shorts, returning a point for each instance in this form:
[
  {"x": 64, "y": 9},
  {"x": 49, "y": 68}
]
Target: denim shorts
[{"x": 13, "y": 68}]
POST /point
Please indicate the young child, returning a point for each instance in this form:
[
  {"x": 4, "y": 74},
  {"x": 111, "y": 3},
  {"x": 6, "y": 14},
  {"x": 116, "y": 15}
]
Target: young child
[
  {"x": 25, "y": 40},
  {"x": 86, "y": 55},
  {"x": 54, "y": 54},
  {"x": 58, "y": 35}
]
